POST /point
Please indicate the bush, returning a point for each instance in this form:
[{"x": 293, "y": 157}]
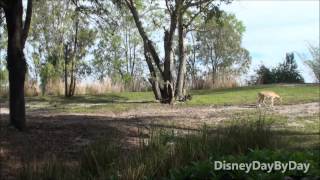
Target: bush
[
  {"x": 286, "y": 72},
  {"x": 265, "y": 76}
]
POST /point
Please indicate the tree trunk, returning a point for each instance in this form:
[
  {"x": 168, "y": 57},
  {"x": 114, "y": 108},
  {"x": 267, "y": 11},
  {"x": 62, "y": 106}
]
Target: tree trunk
[
  {"x": 71, "y": 78},
  {"x": 182, "y": 59},
  {"x": 16, "y": 62},
  {"x": 213, "y": 76},
  {"x": 154, "y": 81},
  {"x": 66, "y": 56},
  {"x": 72, "y": 84},
  {"x": 17, "y": 71},
  {"x": 161, "y": 79}
]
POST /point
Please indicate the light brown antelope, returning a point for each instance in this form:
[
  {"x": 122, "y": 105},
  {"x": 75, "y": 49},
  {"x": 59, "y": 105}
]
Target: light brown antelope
[{"x": 268, "y": 95}]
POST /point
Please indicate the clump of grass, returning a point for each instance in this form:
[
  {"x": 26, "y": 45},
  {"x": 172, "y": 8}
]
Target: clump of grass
[
  {"x": 51, "y": 169},
  {"x": 244, "y": 134},
  {"x": 98, "y": 159},
  {"x": 100, "y": 87}
]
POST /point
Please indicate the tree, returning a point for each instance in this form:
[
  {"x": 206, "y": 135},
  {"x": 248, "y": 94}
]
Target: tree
[
  {"x": 49, "y": 31},
  {"x": 163, "y": 73},
  {"x": 17, "y": 35},
  {"x": 61, "y": 37},
  {"x": 265, "y": 76},
  {"x": 76, "y": 49},
  {"x": 220, "y": 41},
  {"x": 187, "y": 14},
  {"x": 287, "y": 71},
  {"x": 192, "y": 68},
  {"x": 161, "y": 78},
  {"x": 119, "y": 51},
  {"x": 314, "y": 63}
]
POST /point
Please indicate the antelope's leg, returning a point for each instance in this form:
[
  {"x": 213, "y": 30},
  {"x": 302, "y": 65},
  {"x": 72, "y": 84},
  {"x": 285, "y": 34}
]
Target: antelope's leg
[
  {"x": 264, "y": 100},
  {"x": 259, "y": 100}
]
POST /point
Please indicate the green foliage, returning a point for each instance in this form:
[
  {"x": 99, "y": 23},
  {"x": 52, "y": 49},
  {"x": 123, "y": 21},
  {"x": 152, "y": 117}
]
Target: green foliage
[
  {"x": 52, "y": 30},
  {"x": 47, "y": 72},
  {"x": 119, "y": 51},
  {"x": 286, "y": 72},
  {"x": 265, "y": 76},
  {"x": 220, "y": 45}
]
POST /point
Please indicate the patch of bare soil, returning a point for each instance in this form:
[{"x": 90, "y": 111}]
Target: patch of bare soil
[
  {"x": 299, "y": 110},
  {"x": 63, "y": 136}
]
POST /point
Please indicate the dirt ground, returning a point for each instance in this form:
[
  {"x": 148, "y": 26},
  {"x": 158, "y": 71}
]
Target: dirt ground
[{"x": 63, "y": 135}]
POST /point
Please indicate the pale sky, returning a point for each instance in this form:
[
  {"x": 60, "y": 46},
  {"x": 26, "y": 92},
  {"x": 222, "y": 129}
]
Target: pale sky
[{"x": 274, "y": 27}]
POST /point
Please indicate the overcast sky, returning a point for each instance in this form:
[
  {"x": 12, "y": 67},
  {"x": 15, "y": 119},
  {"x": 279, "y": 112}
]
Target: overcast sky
[{"x": 274, "y": 27}]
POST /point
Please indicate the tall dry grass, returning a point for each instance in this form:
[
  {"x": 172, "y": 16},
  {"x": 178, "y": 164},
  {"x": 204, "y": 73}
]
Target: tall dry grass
[
  {"x": 57, "y": 88},
  {"x": 99, "y": 87},
  {"x": 31, "y": 88},
  {"x": 221, "y": 80},
  {"x": 53, "y": 87},
  {"x": 4, "y": 91}
]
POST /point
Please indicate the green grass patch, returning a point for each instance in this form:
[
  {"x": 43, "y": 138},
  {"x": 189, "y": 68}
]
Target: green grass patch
[{"x": 248, "y": 95}]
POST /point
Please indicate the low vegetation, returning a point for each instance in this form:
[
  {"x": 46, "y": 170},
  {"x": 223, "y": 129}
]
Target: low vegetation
[{"x": 169, "y": 154}]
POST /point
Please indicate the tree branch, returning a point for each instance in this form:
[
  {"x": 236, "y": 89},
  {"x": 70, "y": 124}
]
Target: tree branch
[
  {"x": 197, "y": 3},
  {"x": 169, "y": 9},
  {"x": 27, "y": 23}
]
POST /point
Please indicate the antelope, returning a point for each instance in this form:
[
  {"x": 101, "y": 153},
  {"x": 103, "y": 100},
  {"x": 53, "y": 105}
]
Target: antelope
[{"x": 264, "y": 95}]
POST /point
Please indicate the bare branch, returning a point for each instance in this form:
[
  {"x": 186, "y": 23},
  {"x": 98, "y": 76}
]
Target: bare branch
[
  {"x": 197, "y": 3},
  {"x": 169, "y": 9}
]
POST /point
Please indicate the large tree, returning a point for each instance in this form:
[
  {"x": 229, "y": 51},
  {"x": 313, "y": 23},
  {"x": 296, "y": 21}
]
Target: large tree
[
  {"x": 190, "y": 16},
  {"x": 18, "y": 30},
  {"x": 50, "y": 29},
  {"x": 119, "y": 51},
  {"x": 61, "y": 38},
  {"x": 163, "y": 72},
  {"x": 220, "y": 46}
]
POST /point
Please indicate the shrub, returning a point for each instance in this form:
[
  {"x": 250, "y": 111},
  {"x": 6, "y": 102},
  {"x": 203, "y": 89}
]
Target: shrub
[{"x": 286, "y": 72}]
